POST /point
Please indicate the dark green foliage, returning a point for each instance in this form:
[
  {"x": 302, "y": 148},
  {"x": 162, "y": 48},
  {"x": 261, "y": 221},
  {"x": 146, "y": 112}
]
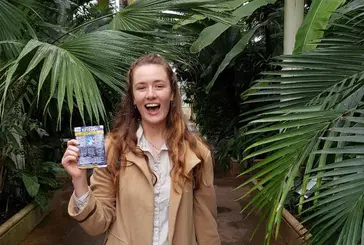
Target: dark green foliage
[
  {"x": 63, "y": 64},
  {"x": 218, "y": 110},
  {"x": 316, "y": 124}
]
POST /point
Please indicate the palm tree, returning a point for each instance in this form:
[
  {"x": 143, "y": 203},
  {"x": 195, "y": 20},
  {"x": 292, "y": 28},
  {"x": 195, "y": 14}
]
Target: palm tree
[
  {"x": 54, "y": 64},
  {"x": 310, "y": 118},
  {"x": 68, "y": 67}
]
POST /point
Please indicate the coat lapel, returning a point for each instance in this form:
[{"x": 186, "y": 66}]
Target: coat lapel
[
  {"x": 175, "y": 197},
  {"x": 141, "y": 163}
]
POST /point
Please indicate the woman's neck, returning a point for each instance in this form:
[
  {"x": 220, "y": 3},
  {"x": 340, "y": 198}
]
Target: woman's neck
[{"x": 155, "y": 133}]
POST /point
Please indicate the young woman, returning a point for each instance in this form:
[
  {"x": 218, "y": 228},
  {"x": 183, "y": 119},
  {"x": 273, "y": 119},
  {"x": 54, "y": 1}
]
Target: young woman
[{"x": 158, "y": 187}]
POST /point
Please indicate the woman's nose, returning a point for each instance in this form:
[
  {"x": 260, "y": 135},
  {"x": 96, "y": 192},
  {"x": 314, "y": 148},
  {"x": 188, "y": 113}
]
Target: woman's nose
[{"x": 151, "y": 93}]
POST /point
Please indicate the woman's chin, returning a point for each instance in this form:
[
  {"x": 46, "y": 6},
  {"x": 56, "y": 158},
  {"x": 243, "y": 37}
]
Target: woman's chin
[{"x": 154, "y": 121}]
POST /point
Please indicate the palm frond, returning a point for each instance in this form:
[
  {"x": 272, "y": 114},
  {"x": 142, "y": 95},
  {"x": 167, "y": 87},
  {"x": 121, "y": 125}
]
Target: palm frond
[
  {"x": 318, "y": 127},
  {"x": 315, "y": 23},
  {"x": 211, "y": 33},
  {"x": 157, "y": 14},
  {"x": 71, "y": 72},
  {"x": 12, "y": 25}
]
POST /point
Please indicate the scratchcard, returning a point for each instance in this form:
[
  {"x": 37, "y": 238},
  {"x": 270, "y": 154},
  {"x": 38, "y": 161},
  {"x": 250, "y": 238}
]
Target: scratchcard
[{"x": 92, "y": 146}]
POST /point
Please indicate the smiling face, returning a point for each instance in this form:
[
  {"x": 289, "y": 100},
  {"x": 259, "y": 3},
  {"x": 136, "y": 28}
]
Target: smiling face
[{"x": 152, "y": 93}]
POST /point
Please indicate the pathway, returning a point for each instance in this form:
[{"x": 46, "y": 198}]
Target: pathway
[{"x": 59, "y": 229}]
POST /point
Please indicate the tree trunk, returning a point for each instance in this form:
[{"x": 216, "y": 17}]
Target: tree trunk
[{"x": 293, "y": 18}]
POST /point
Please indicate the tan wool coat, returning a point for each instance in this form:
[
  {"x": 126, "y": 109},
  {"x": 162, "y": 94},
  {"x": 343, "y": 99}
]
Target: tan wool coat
[{"x": 127, "y": 216}]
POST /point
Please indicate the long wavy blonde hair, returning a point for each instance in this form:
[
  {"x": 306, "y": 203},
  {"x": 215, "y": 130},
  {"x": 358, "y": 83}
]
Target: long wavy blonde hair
[{"x": 122, "y": 138}]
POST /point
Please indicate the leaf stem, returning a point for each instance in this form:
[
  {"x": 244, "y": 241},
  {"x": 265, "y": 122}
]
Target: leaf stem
[{"x": 82, "y": 25}]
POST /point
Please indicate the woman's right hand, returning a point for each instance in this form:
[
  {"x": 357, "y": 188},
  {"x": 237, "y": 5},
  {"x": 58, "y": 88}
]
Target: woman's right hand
[
  {"x": 70, "y": 159},
  {"x": 69, "y": 162}
]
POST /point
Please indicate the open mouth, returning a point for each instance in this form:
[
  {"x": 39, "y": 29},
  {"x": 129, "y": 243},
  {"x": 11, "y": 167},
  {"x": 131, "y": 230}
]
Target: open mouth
[{"x": 152, "y": 107}]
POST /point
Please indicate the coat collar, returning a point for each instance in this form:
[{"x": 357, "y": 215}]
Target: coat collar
[
  {"x": 175, "y": 197},
  {"x": 191, "y": 161}
]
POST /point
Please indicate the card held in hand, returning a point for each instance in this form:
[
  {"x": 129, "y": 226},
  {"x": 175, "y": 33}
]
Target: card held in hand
[{"x": 92, "y": 146}]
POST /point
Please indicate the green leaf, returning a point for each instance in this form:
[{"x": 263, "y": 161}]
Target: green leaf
[
  {"x": 336, "y": 213},
  {"x": 320, "y": 92},
  {"x": 355, "y": 223},
  {"x": 338, "y": 196},
  {"x": 56, "y": 168},
  {"x": 345, "y": 150},
  {"x": 299, "y": 116},
  {"x": 193, "y": 19},
  {"x": 286, "y": 125},
  {"x": 347, "y": 8},
  {"x": 341, "y": 203},
  {"x": 73, "y": 70},
  {"x": 271, "y": 158},
  {"x": 314, "y": 24},
  {"x": 43, "y": 201},
  {"x": 334, "y": 225},
  {"x": 294, "y": 110},
  {"x": 49, "y": 183},
  {"x": 236, "y": 50},
  {"x": 279, "y": 145},
  {"x": 20, "y": 131},
  {"x": 208, "y": 36},
  {"x": 288, "y": 134},
  {"x": 211, "y": 33},
  {"x": 358, "y": 139},
  {"x": 342, "y": 164},
  {"x": 343, "y": 180},
  {"x": 13, "y": 141},
  {"x": 31, "y": 184},
  {"x": 355, "y": 119},
  {"x": 12, "y": 25},
  {"x": 341, "y": 172},
  {"x": 362, "y": 230},
  {"x": 156, "y": 14},
  {"x": 231, "y": 4},
  {"x": 351, "y": 130},
  {"x": 31, "y": 46},
  {"x": 268, "y": 172}
]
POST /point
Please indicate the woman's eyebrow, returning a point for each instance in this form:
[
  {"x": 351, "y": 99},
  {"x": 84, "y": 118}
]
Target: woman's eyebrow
[
  {"x": 143, "y": 82},
  {"x": 159, "y": 81},
  {"x": 139, "y": 83}
]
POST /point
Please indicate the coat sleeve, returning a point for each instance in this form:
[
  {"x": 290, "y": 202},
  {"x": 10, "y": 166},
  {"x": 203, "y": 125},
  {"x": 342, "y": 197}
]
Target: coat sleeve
[
  {"x": 205, "y": 209},
  {"x": 99, "y": 211}
]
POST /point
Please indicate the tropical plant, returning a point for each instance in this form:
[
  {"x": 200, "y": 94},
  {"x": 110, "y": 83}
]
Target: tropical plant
[
  {"x": 241, "y": 11},
  {"x": 25, "y": 153},
  {"x": 313, "y": 109},
  {"x": 215, "y": 97},
  {"x": 91, "y": 59},
  {"x": 230, "y": 148},
  {"x": 59, "y": 63},
  {"x": 314, "y": 24}
]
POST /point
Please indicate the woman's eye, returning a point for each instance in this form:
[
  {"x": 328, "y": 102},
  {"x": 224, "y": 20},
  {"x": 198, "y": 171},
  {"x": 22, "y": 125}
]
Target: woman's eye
[
  {"x": 140, "y": 88},
  {"x": 160, "y": 86}
]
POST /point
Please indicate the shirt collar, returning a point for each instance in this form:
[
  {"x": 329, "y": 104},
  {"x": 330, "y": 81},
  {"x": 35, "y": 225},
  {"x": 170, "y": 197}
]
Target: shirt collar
[{"x": 142, "y": 141}]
